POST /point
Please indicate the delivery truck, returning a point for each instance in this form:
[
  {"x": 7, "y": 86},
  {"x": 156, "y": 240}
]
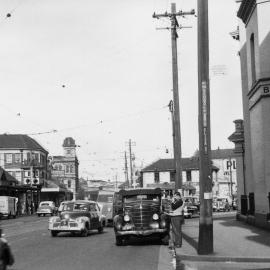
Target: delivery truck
[{"x": 8, "y": 206}]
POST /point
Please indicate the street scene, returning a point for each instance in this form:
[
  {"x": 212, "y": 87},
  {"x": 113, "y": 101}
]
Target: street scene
[{"x": 134, "y": 134}]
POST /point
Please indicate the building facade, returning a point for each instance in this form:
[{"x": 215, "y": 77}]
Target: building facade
[
  {"x": 24, "y": 158},
  {"x": 66, "y": 168},
  {"x": 254, "y": 33}
]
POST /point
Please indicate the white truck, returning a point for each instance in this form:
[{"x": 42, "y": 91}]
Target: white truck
[{"x": 8, "y": 207}]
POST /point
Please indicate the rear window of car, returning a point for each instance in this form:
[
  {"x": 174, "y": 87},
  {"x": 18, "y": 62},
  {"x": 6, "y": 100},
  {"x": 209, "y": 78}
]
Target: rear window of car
[
  {"x": 80, "y": 207},
  {"x": 44, "y": 204}
]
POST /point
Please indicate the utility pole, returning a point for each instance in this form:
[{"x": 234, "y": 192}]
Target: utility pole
[
  {"x": 176, "y": 112},
  {"x": 130, "y": 143},
  {"x": 205, "y": 245},
  {"x": 126, "y": 169}
]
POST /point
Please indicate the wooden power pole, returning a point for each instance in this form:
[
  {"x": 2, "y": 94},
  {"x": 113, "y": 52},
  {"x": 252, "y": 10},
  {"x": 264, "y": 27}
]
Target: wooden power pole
[
  {"x": 176, "y": 112},
  {"x": 205, "y": 245}
]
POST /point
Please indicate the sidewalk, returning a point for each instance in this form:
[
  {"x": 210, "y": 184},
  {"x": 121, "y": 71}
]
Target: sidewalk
[{"x": 234, "y": 241}]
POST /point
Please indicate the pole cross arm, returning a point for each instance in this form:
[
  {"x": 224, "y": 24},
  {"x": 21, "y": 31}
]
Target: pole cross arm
[{"x": 179, "y": 13}]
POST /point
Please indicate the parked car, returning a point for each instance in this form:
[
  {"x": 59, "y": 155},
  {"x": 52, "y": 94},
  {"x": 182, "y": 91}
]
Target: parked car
[
  {"x": 191, "y": 206},
  {"x": 221, "y": 204},
  {"x": 46, "y": 208},
  {"x": 65, "y": 206},
  {"x": 84, "y": 217},
  {"x": 141, "y": 215}
]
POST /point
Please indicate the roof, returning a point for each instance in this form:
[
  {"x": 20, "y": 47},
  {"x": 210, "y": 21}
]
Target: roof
[
  {"x": 19, "y": 141},
  {"x": 222, "y": 153},
  {"x": 5, "y": 176},
  {"x": 169, "y": 165},
  {"x": 139, "y": 191},
  {"x": 69, "y": 142}
]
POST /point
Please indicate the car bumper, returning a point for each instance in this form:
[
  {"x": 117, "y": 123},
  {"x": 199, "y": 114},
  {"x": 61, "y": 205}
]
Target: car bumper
[
  {"x": 142, "y": 233},
  {"x": 66, "y": 228}
]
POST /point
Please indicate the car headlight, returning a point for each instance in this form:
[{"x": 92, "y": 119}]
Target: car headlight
[
  {"x": 66, "y": 216},
  {"x": 155, "y": 217},
  {"x": 126, "y": 218}
]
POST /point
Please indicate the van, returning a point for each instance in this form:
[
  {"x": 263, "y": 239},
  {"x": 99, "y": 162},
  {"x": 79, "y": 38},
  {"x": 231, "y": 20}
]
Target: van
[{"x": 8, "y": 206}]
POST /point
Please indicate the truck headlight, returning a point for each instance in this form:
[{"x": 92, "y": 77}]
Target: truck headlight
[
  {"x": 126, "y": 218},
  {"x": 155, "y": 217}
]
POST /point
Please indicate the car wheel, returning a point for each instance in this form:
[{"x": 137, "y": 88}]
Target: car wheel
[
  {"x": 118, "y": 240},
  {"x": 53, "y": 233}
]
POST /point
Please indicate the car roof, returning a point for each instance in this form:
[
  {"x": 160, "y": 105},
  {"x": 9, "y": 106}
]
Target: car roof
[{"x": 140, "y": 191}]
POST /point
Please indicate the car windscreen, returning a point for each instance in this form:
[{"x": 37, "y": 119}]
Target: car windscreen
[
  {"x": 44, "y": 204},
  {"x": 80, "y": 207},
  {"x": 108, "y": 198},
  {"x": 66, "y": 207},
  {"x": 144, "y": 197}
]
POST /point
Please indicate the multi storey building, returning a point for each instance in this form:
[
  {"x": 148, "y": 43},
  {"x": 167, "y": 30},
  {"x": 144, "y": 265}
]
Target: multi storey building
[
  {"x": 66, "y": 168},
  {"x": 24, "y": 158},
  {"x": 254, "y": 37}
]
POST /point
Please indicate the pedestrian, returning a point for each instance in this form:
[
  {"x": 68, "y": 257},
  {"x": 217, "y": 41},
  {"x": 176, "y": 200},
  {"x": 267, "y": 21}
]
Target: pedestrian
[{"x": 176, "y": 215}]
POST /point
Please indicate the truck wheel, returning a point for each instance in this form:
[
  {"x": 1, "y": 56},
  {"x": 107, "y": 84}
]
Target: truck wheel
[
  {"x": 118, "y": 240},
  {"x": 53, "y": 233}
]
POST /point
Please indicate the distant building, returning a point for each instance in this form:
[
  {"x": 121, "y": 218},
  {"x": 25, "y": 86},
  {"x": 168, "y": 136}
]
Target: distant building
[
  {"x": 24, "y": 158},
  {"x": 66, "y": 168},
  {"x": 163, "y": 172},
  {"x": 254, "y": 37},
  {"x": 224, "y": 175}
]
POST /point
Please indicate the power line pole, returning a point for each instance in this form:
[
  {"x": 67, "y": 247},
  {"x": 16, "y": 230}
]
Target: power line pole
[
  {"x": 130, "y": 143},
  {"x": 176, "y": 112},
  {"x": 205, "y": 245},
  {"x": 126, "y": 169}
]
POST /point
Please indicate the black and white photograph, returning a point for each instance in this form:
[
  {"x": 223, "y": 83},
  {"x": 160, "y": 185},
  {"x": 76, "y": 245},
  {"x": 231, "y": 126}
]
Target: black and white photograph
[{"x": 134, "y": 134}]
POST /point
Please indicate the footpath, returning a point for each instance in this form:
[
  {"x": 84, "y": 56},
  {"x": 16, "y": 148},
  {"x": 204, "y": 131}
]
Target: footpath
[{"x": 234, "y": 241}]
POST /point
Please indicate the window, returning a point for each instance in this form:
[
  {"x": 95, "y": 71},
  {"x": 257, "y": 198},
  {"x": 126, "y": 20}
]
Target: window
[
  {"x": 9, "y": 158},
  {"x": 188, "y": 175},
  {"x": 252, "y": 58},
  {"x": 17, "y": 158},
  {"x": 156, "y": 177},
  {"x": 172, "y": 176},
  {"x": 69, "y": 183},
  {"x": 71, "y": 168},
  {"x": 67, "y": 168}
]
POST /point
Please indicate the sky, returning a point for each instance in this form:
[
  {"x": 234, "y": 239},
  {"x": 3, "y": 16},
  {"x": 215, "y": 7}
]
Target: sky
[{"x": 101, "y": 72}]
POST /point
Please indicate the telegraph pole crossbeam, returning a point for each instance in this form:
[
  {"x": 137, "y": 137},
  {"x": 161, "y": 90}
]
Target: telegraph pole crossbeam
[{"x": 175, "y": 111}]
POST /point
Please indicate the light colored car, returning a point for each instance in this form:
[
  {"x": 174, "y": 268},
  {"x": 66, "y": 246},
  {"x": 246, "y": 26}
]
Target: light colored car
[
  {"x": 105, "y": 201},
  {"x": 84, "y": 217},
  {"x": 46, "y": 208}
]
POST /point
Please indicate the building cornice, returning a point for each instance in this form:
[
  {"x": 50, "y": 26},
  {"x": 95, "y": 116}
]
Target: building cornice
[{"x": 246, "y": 9}]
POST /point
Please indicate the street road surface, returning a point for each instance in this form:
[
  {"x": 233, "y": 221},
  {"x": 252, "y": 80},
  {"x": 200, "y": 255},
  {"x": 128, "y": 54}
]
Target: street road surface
[{"x": 35, "y": 249}]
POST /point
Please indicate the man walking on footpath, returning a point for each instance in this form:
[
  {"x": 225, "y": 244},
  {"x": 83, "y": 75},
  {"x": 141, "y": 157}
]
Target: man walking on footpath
[{"x": 176, "y": 219}]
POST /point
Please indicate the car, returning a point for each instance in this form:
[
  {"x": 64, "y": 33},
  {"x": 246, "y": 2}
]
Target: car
[
  {"x": 191, "y": 206},
  {"x": 221, "y": 204},
  {"x": 105, "y": 201},
  {"x": 67, "y": 205},
  {"x": 46, "y": 208},
  {"x": 141, "y": 215},
  {"x": 82, "y": 218}
]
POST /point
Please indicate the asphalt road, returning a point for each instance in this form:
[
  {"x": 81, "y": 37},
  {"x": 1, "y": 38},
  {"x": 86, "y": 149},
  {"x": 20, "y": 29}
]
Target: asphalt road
[{"x": 35, "y": 249}]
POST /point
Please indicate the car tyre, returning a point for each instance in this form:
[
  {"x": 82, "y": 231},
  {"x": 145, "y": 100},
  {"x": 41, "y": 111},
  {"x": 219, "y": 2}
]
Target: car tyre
[
  {"x": 118, "y": 240},
  {"x": 53, "y": 233}
]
